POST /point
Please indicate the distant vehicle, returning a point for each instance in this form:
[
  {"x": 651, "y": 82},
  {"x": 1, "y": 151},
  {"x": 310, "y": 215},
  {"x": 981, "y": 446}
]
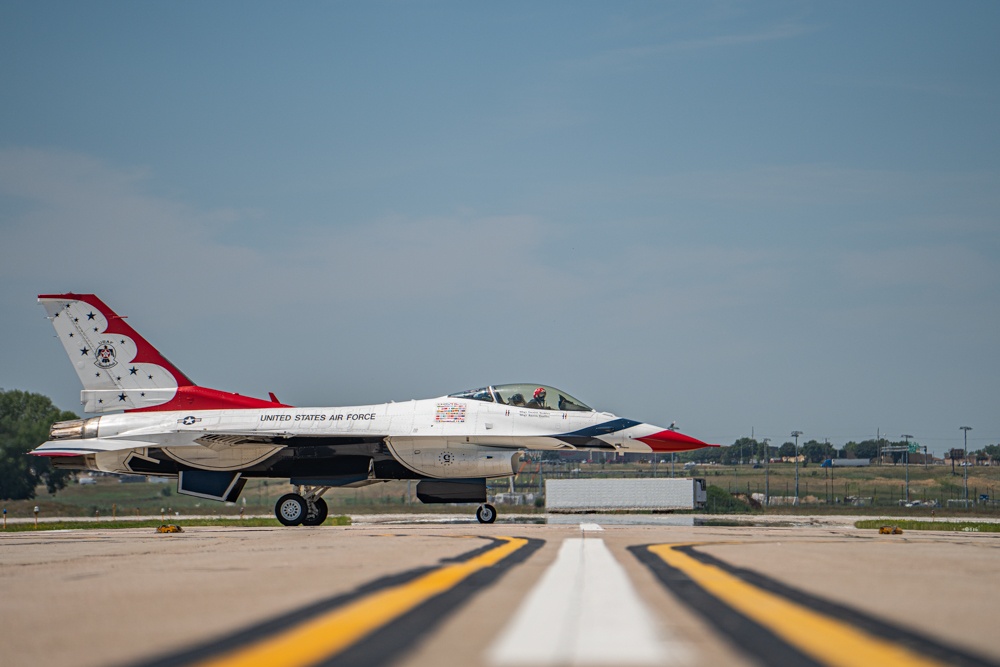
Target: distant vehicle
[
  {"x": 846, "y": 463},
  {"x": 87, "y": 481},
  {"x": 212, "y": 441}
]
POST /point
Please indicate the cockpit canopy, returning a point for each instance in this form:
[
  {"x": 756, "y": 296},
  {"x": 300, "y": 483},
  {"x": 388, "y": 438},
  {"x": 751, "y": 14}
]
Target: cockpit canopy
[{"x": 538, "y": 396}]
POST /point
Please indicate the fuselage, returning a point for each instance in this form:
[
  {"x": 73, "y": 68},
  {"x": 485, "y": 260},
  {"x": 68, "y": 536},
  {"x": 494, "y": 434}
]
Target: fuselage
[{"x": 410, "y": 431}]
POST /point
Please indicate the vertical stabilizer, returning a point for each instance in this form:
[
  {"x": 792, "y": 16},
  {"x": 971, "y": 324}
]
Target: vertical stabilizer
[{"x": 119, "y": 369}]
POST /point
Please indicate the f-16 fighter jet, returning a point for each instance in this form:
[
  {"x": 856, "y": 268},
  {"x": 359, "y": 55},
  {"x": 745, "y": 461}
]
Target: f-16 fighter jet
[{"x": 155, "y": 421}]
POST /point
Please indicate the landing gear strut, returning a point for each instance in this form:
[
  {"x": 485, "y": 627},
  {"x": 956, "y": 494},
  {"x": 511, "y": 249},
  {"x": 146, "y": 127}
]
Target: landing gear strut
[
  {"x": 293, "y": 509},
  {"x": 486, "y": 513},
  {"x": 318, "y": 516}
]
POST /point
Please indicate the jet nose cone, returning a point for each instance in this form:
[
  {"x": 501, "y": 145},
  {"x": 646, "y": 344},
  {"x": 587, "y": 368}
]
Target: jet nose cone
[{"x": 672, "y": 441}]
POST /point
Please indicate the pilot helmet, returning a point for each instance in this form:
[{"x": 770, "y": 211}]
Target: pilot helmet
[{"x": 540, "y": 394}]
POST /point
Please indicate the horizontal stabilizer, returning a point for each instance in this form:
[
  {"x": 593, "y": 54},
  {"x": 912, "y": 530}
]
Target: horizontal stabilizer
[
  {"x": 87, "y": 446},
  {"x": 102, "y": 400}
]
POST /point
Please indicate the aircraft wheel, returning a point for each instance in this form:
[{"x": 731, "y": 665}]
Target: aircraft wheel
[
  {"x": 290, "y": 509},
  {"x": 486, "y": 514},
  {"x": 319, "y": 516}
]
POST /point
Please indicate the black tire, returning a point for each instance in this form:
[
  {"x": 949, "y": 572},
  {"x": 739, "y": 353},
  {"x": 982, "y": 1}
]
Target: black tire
[
  {"x": 486, "y": 513},
  {"x": 319, "y": 517},
  {"x": 290, "y": 509}
]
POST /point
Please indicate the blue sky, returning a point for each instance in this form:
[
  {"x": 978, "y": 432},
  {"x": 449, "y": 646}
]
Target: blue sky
[{"x": 766, "y": 216}]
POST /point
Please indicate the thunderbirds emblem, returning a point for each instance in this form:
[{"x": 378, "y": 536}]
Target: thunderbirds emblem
[{"x": 104, "y": 355}]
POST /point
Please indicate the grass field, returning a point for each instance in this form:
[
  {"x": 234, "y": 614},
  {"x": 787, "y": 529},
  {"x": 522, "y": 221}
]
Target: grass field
[
  {"x": 951, "y": 526},
  {"x": 877, "y": 490},
  {"x": 252, "y": 522}
]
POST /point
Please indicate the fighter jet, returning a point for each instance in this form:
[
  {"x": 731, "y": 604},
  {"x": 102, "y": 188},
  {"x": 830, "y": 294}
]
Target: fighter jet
[{"x": 213, "y": 441}]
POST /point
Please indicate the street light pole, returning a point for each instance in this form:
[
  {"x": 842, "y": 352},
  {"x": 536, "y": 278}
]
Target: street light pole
[
  {"x": 796, "y": 435},
  {"x": 906, "y": 439},
  {"x": 965, "y": 461},
  {"x": 673, "y": 455},
  {"x": 767, "y": 474}
]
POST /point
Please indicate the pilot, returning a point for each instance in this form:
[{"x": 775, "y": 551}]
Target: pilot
[
  {"x": 517, "y": 399},
  {"x": 538, "y": 400}
]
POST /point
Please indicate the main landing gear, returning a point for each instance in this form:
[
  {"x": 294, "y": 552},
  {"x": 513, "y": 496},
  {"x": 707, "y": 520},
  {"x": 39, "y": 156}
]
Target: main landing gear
[
  {"x": 293, "y": 509},
  {"x": 486, "y": 513}
]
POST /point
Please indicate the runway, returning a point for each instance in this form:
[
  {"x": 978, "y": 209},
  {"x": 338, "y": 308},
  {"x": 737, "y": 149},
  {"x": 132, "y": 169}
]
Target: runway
[{"x": 624, "y": 591}]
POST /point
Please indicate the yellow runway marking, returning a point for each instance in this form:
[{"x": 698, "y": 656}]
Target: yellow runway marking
[
  {"x": 825, "y": 639},
  {"x": 332, "y": 632}
]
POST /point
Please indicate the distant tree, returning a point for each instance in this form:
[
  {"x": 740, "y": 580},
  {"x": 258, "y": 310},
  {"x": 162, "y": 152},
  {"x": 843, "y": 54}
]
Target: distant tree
[
  {"x": 743, "y": 450},
  {"x": 867, "y": 449},
  {"x": 992, "y": 451},
  {"x": 766, "y": 451},
  {"x": 787, "y": 450},
  {"x": 817, "y": 452},
  {"x": 727, "y": 455},
  {"x": 25, "y": 419},
  {"x": 706, "y": 455}
]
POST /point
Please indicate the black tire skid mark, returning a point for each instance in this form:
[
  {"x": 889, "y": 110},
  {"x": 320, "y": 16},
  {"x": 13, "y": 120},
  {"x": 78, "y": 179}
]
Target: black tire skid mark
[{"x": 264, "y": 629}]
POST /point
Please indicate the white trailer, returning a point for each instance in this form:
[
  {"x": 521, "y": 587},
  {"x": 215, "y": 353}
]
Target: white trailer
[
  {"x": 846, "y": 463},
  {"x": 605, "y": 495}
]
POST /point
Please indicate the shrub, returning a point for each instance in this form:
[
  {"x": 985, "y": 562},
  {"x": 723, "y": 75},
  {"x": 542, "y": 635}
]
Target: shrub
[{"x": 719, "y": 501}]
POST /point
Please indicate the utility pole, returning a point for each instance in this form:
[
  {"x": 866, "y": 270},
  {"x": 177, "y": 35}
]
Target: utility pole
[
  {"x": 796, "y": 435},
  {"x": 673, "y": 455},
  {"x": 829, "y": 473},
  {"x": 906, "y": 439},
  {"x": 736, "y": 467},
  {"x": 965, "y": 462},
  {"x": 767, "y": 474}
]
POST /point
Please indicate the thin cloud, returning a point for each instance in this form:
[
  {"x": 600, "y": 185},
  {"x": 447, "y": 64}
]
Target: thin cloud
[
  {"x": 950, "y": 268},
  {"x": 628, "y": 56}
]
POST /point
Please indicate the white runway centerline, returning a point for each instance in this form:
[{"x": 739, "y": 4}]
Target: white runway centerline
[{"x": 583, "y": 611}]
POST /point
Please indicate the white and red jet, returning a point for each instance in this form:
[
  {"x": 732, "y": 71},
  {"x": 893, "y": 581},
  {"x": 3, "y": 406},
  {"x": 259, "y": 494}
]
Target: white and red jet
[{"x": 213, "y": 441}]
